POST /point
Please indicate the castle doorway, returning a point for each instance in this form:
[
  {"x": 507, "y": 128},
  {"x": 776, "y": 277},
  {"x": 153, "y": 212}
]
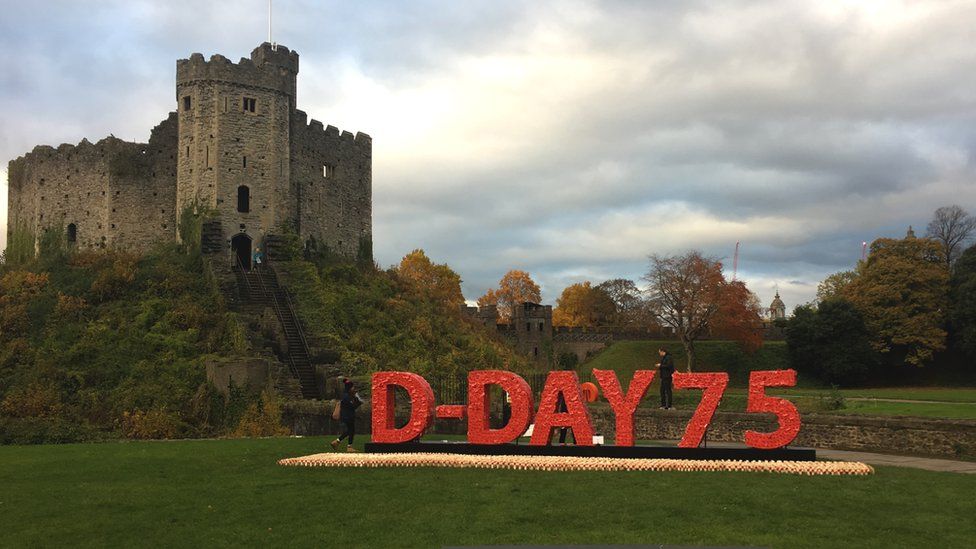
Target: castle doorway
[{"x": 241, "y": 245}]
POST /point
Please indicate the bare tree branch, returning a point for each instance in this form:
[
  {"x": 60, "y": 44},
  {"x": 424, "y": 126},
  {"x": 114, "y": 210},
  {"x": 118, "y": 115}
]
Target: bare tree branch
[{"x": 952, "y": 227}]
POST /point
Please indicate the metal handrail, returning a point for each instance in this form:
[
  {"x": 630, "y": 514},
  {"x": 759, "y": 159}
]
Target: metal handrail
[
  {"x": 293, "y": 311},
  {"x": 275, "y": 304},
  {"x": 247, "y": 282}
]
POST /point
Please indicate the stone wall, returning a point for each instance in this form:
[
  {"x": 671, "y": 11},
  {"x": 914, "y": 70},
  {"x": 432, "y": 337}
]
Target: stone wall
[
  {"x": 580, "y": 343},
  {"x": 898, "y": 435},
  {"x": 251, "y": 374},
  {"x": 113, "y": 192},
  {"x": 332, "y": 175},
  {"x": 891, "y": 435}
]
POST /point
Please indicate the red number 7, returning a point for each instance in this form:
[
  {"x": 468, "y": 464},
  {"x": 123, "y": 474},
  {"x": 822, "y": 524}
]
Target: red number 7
[
  {"x": 714, "y": 384},
  {"x": 786, "y": 412}
]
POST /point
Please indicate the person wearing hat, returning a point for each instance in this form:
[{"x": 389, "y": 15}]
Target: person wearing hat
[{"x": 347, "y": 415}]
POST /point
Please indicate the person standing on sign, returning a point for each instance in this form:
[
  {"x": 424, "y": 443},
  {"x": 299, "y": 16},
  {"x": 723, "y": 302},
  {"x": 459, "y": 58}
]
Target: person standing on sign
[
  {"x": 665, "y": 369},
  {"x": 347, "y": 416}
]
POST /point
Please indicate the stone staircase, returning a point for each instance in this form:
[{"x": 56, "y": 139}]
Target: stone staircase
[{"x": 259, "y": 289}]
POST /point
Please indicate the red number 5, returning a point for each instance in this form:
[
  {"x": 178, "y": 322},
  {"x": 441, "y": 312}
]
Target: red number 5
[{"x": 786, "y": 412}]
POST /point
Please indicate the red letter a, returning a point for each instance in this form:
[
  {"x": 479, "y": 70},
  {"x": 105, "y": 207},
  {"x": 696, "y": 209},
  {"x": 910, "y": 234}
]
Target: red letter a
[
  {"x": 577, "y": 417},
  {"x": 384, "y": 412}
]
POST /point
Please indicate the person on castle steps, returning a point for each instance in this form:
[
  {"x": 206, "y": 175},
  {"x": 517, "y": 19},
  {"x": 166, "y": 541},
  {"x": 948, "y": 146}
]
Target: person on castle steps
[
  {"x": 665, "y": 369},
  {"x": 257, "y": 256},
  {"x": 347, "y": 416}
]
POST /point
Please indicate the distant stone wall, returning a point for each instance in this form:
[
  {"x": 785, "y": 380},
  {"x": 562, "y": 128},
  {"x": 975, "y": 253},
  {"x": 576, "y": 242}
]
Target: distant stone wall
[
  {"x": 581, "y": 344},
  {"x": 893, "y": 435},
  {"x": 899, "y": 435}
]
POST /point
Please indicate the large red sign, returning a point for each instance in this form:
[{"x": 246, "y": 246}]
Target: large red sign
[{"x": 565, "y": 386}]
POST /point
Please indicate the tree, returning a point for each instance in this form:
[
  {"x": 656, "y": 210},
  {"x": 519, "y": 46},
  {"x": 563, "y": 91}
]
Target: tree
[
  {"x": 515, "y": 288},
  {"x": 438, "y": 283},
  {"x": 629, "y": 308},
  {"x": 685, "y": 294},
  {"x": 739, "y": 316},
  {"x": 583, "y": 305},
  {"x": 951, "y": 226},
  {"x": 489, "y": 299},
  {"x": 962, "y": 302},
  {"x": 834, "y": 285},
  {"x": 831, "y": 342},
  {"x": 902, "y": 292}
]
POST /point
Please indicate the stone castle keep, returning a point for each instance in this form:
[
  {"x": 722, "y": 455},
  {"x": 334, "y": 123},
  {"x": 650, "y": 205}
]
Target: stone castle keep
[{"x": 237, "y": 148}]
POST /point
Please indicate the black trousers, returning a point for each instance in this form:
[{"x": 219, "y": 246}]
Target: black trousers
[
  {"x": 666, "y": 392},
  {"x": 561, "y": 407},
  {"x": 348, "y": 430}
]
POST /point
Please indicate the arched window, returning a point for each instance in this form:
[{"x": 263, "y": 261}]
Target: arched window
[
  {"x": 72, "y": 233},
  {"x": 243, "y": 199}
]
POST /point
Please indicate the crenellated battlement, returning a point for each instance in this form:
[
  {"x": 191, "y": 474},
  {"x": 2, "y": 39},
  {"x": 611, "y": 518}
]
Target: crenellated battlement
[
  {"x": 84, "y": 150},
  {"x": 273, "y": 69},
  {"x": 316, "y": 130}
]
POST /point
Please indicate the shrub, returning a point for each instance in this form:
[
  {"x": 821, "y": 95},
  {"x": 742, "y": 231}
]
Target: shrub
[
  {"x": 568, "y": 361},
  {"x": 20, "y": 245},
  {"x": 38, "y": 399},
  {"x": 832, "y": 400},
  {"x": 152, "y": 424},
  {"x": 262, "y": 418},
  {"x": 35, "y": 430}
]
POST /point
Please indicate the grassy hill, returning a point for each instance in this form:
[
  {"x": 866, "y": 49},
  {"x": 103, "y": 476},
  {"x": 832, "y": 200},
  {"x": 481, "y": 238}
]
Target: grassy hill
[
  {"x": 713, "y": 356},
  {"x": 375, "y": 321},
  {"x": 100, "y": 344}
]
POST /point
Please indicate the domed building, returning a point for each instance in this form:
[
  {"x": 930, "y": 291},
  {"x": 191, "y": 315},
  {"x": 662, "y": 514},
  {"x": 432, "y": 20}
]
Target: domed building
[{"x": 777, "y": 309}]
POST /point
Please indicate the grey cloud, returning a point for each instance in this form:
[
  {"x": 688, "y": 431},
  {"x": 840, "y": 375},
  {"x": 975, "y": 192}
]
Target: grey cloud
[{"x": 842, "y": 129}]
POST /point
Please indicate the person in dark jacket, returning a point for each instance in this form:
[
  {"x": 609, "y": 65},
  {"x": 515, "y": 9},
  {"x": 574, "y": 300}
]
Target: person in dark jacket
[
  {"x": 347, "y": 416},
  {"x": 665, "y": 369}
]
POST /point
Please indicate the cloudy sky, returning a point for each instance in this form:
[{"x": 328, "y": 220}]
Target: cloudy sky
[{"x": 570, "y": 139}]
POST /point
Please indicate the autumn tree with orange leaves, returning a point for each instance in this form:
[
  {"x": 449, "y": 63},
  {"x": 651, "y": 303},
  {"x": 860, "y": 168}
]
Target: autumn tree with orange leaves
[
  {"x": 515, "y": 288},
  {"x": 436, "y": 282},
  {"x": 583, "y": 305},
  {"x": 739, "y": 316}
]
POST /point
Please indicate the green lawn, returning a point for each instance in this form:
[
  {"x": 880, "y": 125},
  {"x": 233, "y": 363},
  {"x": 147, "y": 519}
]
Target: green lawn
[
  {"x": 231, "y": 493},
  {"x": 937, "y": 394},
  {"x": 736, "y": 402},
  {"x": 726, "y": 356},
  {"x": 626, "y": 356}
]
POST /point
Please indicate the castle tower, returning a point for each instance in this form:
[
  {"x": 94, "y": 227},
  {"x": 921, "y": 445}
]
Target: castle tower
[
  {"x": 532, "y": 325},
  {"x": 234, "y": 143}
]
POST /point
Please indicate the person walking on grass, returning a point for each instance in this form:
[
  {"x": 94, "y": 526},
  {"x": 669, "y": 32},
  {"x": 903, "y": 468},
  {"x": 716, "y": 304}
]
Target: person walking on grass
[
  {"x": 347, "y": 416},
  {"x": 665, "y": 369}
]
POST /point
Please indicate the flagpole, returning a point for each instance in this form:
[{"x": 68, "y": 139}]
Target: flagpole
[{"x": 269, "y": 24}]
